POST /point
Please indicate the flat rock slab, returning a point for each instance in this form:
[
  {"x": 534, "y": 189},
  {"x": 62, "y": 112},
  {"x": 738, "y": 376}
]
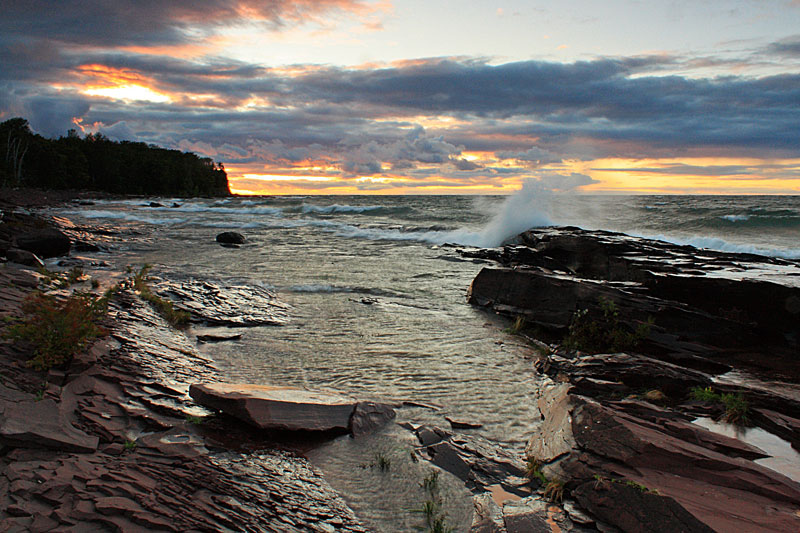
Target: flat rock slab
[
  {"x": 32, "y": 424},
  {"x": 284, "y": 408}
]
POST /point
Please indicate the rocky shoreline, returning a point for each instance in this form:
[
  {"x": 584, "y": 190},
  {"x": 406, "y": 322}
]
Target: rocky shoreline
[
  {"x": 113, "y": 441},
  {"x": 622, "y": 433}
]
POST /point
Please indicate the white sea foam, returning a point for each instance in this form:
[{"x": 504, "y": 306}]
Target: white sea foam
[
  {"x": 721, "y": 245},
  {"x": 213, "y": 209},
  {"x": 736, "y": 218},
  {"x": 126, "y": 216}
]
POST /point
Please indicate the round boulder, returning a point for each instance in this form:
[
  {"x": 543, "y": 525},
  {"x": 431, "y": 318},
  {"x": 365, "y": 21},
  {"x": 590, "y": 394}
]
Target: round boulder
[
  {"x": 230, "y": 237},
  {"x": 44, "y": 242}
]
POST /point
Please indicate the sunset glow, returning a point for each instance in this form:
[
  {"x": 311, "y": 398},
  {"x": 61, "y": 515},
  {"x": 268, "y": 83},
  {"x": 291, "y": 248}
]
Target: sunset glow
[
  {"x": 135, "y": 93},
  {"x": 406, "y": 97}
]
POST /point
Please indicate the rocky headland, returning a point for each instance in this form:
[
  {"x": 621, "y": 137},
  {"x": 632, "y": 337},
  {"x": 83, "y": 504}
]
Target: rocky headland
[{"x": 644, "y": 346}]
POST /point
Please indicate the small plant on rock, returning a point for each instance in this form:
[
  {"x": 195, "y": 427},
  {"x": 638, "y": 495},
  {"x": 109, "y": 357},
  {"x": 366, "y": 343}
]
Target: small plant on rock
[
  {"x": 554, "y": 490},
  {"x": 517, "y": 326},
  {"x": 736, "y": 406},
  {"x": 74, "y": 275},
  {"x": 596, "y": 333},
  {"x": 130, "y": 445},
  {"x": 58, "y": 329},
  {"x": 533, "y": 469}
]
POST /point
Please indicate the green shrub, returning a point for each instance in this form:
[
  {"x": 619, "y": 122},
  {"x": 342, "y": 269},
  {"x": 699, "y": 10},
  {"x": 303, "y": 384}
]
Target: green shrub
[
  {"x": 58, "y": 329},
  {"x": 736, "y": 407},
  {"x": 605, "y": 332}
]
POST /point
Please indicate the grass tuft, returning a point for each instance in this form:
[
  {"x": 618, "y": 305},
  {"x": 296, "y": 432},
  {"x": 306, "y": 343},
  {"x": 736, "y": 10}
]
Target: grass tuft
[
  {"x": 554, "y": 490},
  {"x": 517, "y": 327},
  {"x": 736, "y": 407},
  {"x": 164, "y": 307}
]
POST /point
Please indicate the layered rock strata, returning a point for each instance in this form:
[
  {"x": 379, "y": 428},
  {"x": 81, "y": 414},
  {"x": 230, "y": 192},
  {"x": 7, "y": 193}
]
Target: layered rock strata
[
  {"x": 617, "y": 436},
  {"x": 112, "y": 443}
]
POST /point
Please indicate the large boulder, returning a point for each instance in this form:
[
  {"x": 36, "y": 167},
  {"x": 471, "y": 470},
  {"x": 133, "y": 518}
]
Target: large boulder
[
  {"x": 231, "y": 237},
  {"x": 285, "y": 408},
  {"x": 44, "y": 242},
  {"x": 24, "y": 257}
]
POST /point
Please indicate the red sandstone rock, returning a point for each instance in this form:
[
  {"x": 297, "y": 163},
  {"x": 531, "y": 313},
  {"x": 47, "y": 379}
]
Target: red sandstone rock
[{"x": 269, "y": 407}]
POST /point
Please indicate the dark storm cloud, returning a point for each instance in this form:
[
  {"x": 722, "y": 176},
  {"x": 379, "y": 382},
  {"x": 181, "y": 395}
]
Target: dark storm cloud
[
  {"x": 148, "y": 22},
  {"x": 789, "y": 47},
  {"x": 364, "y": 121}
]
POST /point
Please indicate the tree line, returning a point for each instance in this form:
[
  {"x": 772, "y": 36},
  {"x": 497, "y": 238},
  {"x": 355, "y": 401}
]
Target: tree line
[{"x": 94, "y": 162}]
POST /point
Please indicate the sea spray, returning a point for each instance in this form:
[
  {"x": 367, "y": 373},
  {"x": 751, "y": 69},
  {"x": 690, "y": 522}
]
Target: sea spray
[{"x": 527, "y": 208}]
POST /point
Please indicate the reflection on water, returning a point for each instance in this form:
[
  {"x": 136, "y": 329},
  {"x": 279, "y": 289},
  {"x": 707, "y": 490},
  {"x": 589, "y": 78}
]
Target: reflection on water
[
  {"x": 783, "y": 458},
  {"x": 391, "y": 499}
]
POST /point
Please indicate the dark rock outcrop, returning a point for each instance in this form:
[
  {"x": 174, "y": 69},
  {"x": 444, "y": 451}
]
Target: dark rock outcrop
[
  {"x": 24, "y": 257},
  {"x": 231, "y": 237},
  {"x": 709, "y": 309},
  {"x": 616, "y": 429},
  {"x": 641, "y": 468},
  {"x": 44, "y": 242}
]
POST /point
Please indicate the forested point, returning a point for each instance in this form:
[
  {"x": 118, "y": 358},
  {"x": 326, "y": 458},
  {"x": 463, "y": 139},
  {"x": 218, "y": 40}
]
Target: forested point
[{"x": 97, "y": 163}]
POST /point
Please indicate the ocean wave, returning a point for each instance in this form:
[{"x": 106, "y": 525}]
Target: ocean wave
[
  {"x": 127, "y": 217},
  {"x": 220, "y": 209},
  {"x": 355, "y": 209},
  {"x": 735, "y": 218},
  {"x": 786, "y": 220},
  {"x": 721, "y": 245}
]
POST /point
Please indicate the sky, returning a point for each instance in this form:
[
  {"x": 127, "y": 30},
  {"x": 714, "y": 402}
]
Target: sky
[{"x": 425, "y": 97}]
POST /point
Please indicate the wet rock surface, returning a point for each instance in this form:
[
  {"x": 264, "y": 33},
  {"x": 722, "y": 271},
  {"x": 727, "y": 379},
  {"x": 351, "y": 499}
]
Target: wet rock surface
[
  {"x": 617, "y": 430},
  {"x": 221, "y": 304},
  {"x": 291, "y": 409},
  {"x": 708, "y": 308},
  {"x": 231, "y": 237},
  {"x": 115, "y": 443}
]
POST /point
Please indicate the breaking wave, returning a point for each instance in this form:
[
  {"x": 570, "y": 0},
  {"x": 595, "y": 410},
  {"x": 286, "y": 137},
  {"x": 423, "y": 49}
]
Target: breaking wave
[
  {"x": 721, "y": 245},
  {"x": 127, "y": 217}
]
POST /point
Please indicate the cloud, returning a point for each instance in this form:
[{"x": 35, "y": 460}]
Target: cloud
[
  {"x": 414, "y": 119},
  {"x": 535, "y": 156},
  {"x": 152, "y": 22},
  {"x": 414, "y": 147},
  {"x": 789, "y": 47},
  {"x": 118, "y": 132}
]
